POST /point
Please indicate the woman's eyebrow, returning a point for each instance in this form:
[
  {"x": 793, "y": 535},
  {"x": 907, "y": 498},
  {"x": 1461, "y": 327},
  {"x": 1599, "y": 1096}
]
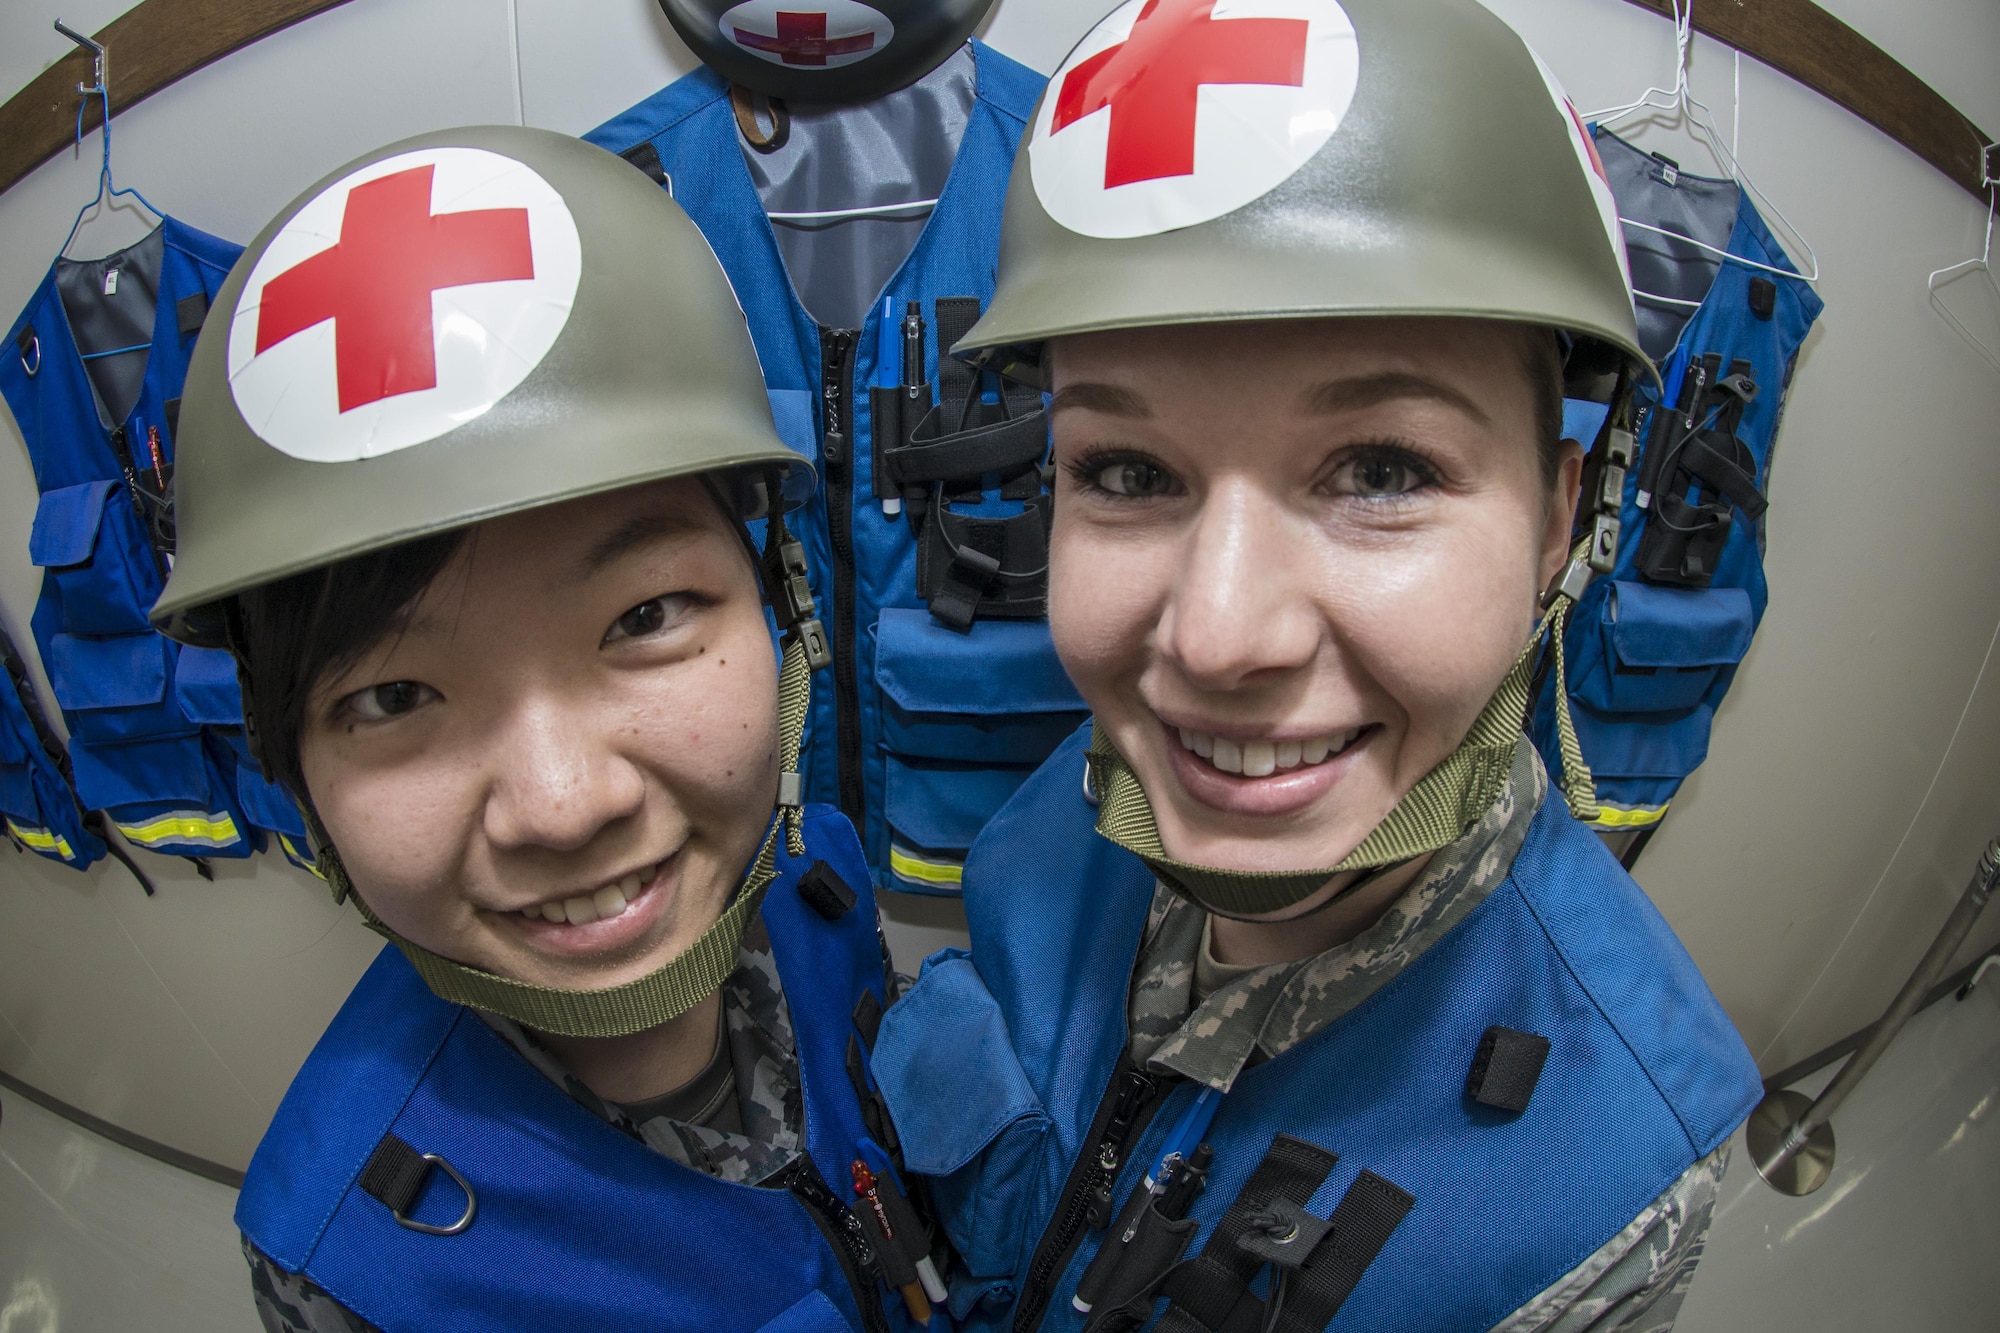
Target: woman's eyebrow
[
  {"x": 636, "y": 531},
  {"x": 1364, "y": 391},
  {"x": 1106, "y": 398}
]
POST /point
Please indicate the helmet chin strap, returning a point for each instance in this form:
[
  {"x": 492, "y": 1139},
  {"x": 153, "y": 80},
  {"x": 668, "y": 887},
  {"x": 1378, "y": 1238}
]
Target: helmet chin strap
[
  {"x": 1446, "y": 802},
  {"x": 696, "y": 973}
]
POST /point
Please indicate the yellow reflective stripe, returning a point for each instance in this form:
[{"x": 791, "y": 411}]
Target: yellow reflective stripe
[
  {"x": 42, "y": 840},
  {"x": 209, "y": 830},
  {"x": 1617, "y": 817},
  {"x": 299, "y": 858},
  {"x": 908, "y": 865}
]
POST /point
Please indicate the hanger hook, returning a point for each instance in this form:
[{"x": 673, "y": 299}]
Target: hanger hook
[{"x": 100, "y": 60}]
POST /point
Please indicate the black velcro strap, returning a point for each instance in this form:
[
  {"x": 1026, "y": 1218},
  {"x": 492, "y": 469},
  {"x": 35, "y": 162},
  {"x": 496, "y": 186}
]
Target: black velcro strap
[
  {"x": 955, "y": 601},
  {"x": 395, "y": 1174},
  {"x": 24, "y": 341},
  {"x": 868, "y": 1017},
  {"x": 1506, "y": 1068},
  {"x": 1206, "y": 1288},
  {"x": 1004, "y": 447},
  {"x": 1724, "y": 474},
  {"x": 190, "y": 312},
  {"x": 955, "y": 317},
  {"x": 1360, "y": 1226},
  {"x": 647, "y": 158},
  {"x": 826, "y": 892}
]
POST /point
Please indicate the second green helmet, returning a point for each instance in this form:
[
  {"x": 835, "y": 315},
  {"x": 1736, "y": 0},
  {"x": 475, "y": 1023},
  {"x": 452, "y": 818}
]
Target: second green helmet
[{"x": 1207, "y": 161}]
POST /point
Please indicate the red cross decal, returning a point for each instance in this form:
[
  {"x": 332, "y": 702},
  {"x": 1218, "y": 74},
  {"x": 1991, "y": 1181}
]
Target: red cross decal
[
  {"x": 1152, "y": 80},
  {"x": 376, "y": 283},
  {"x": 802, "y": 40}
]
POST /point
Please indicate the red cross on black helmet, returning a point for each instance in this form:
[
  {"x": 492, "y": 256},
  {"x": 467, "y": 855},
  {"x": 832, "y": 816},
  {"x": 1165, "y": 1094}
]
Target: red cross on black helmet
[{"x": 836, "y": 51}]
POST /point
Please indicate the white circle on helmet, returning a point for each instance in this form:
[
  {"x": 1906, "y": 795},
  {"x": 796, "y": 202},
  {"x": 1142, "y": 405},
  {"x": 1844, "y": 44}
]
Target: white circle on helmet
[
  {"x": 1593, "y": 168},
  {"x": 401, "y": 302},
  {"x": 1171, "y": 113},
  {"x": 808, "y": 34}
]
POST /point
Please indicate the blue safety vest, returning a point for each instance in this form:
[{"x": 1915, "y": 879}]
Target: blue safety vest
[
  {"x": 927, "y": 730},
  {"x": 1007, "y": 1079},
  {"x": 1653, "y": 647},
  {"x": 37, "y": 802},
  {"x": 156, "y": 736},
  {"x": 576, "y": 1225}
]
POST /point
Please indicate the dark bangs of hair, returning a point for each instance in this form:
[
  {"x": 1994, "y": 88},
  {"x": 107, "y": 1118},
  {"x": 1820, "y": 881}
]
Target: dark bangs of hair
[{"x": 299, "y": 630}]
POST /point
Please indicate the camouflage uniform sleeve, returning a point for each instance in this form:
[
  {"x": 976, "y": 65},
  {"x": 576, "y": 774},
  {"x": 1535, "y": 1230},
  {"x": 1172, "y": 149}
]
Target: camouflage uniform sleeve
[
  {"x": 289, "y": 1304},
  {"x": 1637, "y": 1281}
]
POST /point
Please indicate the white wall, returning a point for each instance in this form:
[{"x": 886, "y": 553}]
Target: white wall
[{"x": 1852, "y": 777}]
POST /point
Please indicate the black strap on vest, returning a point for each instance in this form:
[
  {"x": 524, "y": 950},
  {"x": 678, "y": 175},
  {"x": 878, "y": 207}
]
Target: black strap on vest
[
  {"x": 969, "y": 565},
  {"x": 1205, "y": 1291},
  {"x": 395, "y": 1174},
  {"x": 1700, "y": 474},
  {"x": 1360, "y": 1226},
  {"x": 1506, "y": 1068},
  {"x": 826, "y": 892},
  {"x": 191, "y": 312},
  {"x": 647, "y": 158}
]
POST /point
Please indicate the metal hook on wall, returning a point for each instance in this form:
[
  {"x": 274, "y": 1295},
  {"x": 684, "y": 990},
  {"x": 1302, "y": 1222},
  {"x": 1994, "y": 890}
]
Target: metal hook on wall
[{"x": 100, "y": 69}]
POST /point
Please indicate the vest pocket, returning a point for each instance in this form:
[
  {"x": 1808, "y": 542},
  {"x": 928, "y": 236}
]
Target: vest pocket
[
  {"x": 964, "y": 1109},
  {"x": 1660, "y": 649},
  {"x": 98, "y": 558},
  {"x": 965, "y": 719},
  {"x": 812, "y": 1313},
  {"x": 1645, "y": 685},
  {"x": 115, "y": 689}
]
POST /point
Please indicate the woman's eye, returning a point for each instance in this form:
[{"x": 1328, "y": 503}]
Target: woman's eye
[
  {"x": 1380, "y": 476},
  {"x": 646, "y": 618},
  {"x": 378, "y": 703},
  {"x": 1133, "y": 478}
]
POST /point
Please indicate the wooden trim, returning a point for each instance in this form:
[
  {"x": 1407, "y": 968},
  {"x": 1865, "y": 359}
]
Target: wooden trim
[
  {"x": 1798, "y": 38},
  {"x": 160, "y": 41},
  {"x": 153, "y": 44}
]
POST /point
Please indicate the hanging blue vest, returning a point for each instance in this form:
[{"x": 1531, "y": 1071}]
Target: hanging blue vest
[
  {"x": 1653, "y": 647},
  {"x": 36, "y": 799},
  {"x": 155, "y": 728},
  {"x": 577, "y": 1226},
  {"x": 995, "y": 1075},
  {"x": 927, "y": 730}
]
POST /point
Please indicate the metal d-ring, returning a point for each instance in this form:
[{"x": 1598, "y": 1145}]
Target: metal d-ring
[
  {"x": 471, "y": 1204},
  {"x": 34, "y": 342}
]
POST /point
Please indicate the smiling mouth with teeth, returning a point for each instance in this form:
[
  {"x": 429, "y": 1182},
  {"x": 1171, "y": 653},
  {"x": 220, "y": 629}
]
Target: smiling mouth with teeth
[
  {"x": 606, "y": 903},
  {"x": 1260, "y": 759}
]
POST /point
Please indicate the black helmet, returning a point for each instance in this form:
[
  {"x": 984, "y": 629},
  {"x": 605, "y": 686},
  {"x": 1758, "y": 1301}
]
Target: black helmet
[{"x": 824, "y": 50}]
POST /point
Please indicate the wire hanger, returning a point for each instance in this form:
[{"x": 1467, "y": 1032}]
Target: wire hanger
[
  {"x": 1983, "y": 264},
  {"x": 107, "y": 189},
  {"x": 1700, "y": 122}
]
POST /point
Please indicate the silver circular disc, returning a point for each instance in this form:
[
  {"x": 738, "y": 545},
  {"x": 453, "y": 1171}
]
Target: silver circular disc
[{"x": 1805, "y": 1170}]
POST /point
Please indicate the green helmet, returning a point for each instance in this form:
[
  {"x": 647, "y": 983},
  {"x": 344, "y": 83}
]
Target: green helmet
[
  {"x": 460, "y": 326},
  {"x": 1291, "y": 159},
  {"x": 1213, "y": 161}
]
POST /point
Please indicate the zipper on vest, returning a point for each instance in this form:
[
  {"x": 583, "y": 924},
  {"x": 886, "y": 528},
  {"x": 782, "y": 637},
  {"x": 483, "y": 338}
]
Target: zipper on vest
[
  {"x": 843, "y": 1236},
  {"x": 142, "y": 508},
  {"x": 1129, "y": 1102},
  {"x": 836, "y": 375}
]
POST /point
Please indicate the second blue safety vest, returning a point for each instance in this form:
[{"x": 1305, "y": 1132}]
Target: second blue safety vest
[
  {"x": 927, "y": 729},
  {"x": 155, "y": 728},
  {"x": 1008, "y": 1075},
  {"x": 411, "y": 1113},
  {"x": 36, "y": 799},
  {"x": 1653, "y": 647}
]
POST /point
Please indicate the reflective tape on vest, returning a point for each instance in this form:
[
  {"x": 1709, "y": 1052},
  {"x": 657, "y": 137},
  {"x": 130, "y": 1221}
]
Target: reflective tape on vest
[
  {"x": 1626, "y": 816},
  {"x": 205, "y": 830},
  {"x": 908, "y": 865},
  {"x": 42, "y": 840}
]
